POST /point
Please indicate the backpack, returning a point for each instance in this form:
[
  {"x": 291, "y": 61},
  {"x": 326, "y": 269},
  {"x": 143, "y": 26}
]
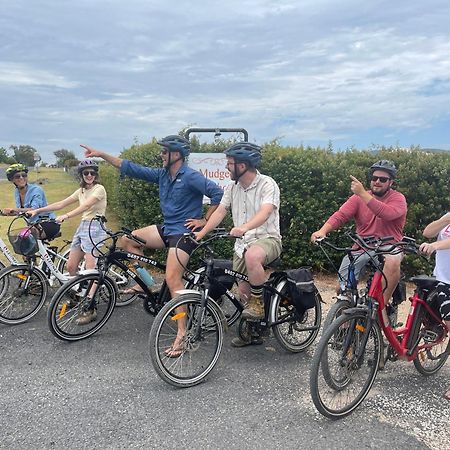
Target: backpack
[{"x": 301, "y": 288}]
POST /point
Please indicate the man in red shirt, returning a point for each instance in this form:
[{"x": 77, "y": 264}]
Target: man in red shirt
[{"x": 379, "y": 212}]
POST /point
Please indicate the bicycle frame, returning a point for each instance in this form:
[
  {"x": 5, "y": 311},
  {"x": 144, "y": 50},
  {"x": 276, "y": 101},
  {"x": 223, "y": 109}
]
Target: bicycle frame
[
  {"x": 8, "y": 254},
  {"x": 400, "y": 338}
]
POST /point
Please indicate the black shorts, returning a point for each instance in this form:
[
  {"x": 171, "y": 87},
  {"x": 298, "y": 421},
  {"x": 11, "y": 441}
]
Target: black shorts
[{"x": 185, "y": 244}]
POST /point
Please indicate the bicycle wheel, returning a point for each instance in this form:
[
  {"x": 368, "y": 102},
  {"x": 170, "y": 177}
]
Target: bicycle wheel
[
  {"x": 335, "y": 311},
  {"x": 72, "y": 306},
  {"x": 296, "y": 332},
  {"x": 200, "y": 348},
  {"x": 431, "y": 333},
  {"x": 23, "y": 293},
  {"x": 123, "y": 282},
  {"x": 340, "y": 386}
]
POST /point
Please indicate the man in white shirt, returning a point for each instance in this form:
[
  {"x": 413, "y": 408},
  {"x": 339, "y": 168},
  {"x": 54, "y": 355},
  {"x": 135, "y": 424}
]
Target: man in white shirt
[{"x": 254, "y": 200}]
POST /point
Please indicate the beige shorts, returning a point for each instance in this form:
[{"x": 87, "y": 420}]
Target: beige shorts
[{"x": 271, "y": 246}]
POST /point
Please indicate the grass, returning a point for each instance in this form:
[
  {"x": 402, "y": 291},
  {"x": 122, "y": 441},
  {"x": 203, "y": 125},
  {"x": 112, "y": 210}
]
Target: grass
[{"x": 57, "y": 185}]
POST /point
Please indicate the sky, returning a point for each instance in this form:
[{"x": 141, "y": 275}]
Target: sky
[{"x": 113, "y": 73}]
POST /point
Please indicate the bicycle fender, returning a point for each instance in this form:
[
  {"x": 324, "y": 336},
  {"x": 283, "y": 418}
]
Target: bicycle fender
[
  {"x": 210, "y": 301},
  {"x": 353, "y": 310}
]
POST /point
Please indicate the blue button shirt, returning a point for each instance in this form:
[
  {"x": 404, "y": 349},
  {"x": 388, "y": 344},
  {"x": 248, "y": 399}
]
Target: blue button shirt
[
  {"x": 34, "y": 198},
  {"x": 180, "y": 198}
]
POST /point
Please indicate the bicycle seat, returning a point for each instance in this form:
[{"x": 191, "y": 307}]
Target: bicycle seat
[{"x": 424, "y": 282}]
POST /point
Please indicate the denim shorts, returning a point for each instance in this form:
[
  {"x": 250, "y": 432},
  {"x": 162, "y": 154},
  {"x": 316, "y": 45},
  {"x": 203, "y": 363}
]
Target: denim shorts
[{"x": 81, "y": 238}]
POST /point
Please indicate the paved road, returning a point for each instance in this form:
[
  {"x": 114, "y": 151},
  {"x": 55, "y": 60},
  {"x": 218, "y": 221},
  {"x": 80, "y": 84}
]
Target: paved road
[{"x": 103, "y": 393}]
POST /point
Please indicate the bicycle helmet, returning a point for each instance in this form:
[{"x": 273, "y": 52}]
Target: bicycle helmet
[
  {"x": 175, "y": 143},
  {"x": 245, "y": 152},
  {"x": 87, "y": 164},
  {"x": 385, "y": 166},
  {"x": 15, "y": 168}
]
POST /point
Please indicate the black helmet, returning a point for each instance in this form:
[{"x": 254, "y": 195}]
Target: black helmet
[
  {"x": 15, "y": 168},
  {"x": 175, "y": 143},
  {"x": 386, "y": 166},
  {"x": 87, "y": 164},
  {"x": 245, "y": 152}
]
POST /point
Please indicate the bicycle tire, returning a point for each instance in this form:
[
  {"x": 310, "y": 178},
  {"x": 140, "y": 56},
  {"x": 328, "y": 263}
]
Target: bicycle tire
[
  {"x": 425, "y": 362},
  {"x": 297, "y": 333},
  {"x": 344, "y": 371},
  {"x": 71, "y": 302},
  {"x": 198, "y": 356},
  {"x": 335, "y": 311},
  {"x": 23, "y": 293}
]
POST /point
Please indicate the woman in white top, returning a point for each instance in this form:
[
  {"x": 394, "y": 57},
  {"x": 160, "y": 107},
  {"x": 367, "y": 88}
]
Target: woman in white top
[
  {"x": 92, "y": 200},
  {"x": 441, "y": 229}
]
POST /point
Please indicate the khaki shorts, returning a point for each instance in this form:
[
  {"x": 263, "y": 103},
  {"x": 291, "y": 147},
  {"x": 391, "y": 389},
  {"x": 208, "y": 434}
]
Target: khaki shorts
[{"x": 272, "y": 248}]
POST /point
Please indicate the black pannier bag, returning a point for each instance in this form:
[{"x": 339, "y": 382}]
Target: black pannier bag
[
  {"x": 227, "y": 281},
  {"x": 301, "y": 288}
]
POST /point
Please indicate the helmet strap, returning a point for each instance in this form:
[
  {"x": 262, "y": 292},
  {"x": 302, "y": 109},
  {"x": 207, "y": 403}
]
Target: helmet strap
[{"x": 239, "y": 175}]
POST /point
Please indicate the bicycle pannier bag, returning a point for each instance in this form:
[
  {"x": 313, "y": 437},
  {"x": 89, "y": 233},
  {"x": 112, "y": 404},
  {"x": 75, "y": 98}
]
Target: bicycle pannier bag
[{"x": 301, "y": 288}]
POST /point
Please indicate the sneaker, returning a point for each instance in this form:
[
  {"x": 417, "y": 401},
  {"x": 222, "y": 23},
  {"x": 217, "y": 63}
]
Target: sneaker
[
  {"x": 87, "y": 317},
  {"x": 238, "y": 342}
]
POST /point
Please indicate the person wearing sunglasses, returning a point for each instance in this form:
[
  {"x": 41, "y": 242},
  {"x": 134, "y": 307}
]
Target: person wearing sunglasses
[
  {"x": 379, "y": 211},
  {"x": 29, "y": 196},
  {"x": 440, "y": 229},
  {"x": 91, "y": 196},
  {"x": 181, "y": 191}
]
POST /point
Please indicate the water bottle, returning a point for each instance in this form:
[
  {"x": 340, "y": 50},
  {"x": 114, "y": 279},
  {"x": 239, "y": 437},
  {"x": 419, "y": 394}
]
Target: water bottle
[{"x": 144, "y": 275}]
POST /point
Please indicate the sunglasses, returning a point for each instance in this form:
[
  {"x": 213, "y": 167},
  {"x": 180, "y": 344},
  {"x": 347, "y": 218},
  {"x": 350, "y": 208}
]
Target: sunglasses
[
  {"x": 382, "y": 179},
  {"x": 89, "y": 172},
  {"x": 20, "y": 175}
]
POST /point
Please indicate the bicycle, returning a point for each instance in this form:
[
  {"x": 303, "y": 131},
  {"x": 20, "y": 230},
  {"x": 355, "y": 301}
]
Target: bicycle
[
  {"x": 24, "y": 286},
  {"x": 349, "y": 295},
  {"x": 96, "y": 289},
  {"x": 206, "y": 320},
  {"x": 347, "y": 357}
]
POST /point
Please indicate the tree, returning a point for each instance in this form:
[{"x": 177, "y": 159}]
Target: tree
[
  {"x": 4, "y": 157},
  {"x": 23, "y": 154},
  {"x": 62, "y": 156}
]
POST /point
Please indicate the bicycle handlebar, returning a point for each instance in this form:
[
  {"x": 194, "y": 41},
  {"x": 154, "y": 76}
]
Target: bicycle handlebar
[{"x": 122, "y": 232}]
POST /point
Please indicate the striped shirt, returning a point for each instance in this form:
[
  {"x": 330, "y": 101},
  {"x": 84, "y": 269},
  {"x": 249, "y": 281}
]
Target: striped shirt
[{"x": 245, "y": 203}]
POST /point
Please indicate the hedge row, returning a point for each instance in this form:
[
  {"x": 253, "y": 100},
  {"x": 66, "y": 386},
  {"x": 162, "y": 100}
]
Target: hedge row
[{"x": 313, "y": 182}]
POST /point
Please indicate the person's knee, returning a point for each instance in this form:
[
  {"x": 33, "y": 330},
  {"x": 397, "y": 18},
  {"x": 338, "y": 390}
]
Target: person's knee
[{"x": 254, "y": 257}]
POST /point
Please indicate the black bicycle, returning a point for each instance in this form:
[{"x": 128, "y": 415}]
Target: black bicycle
[
  {"x": 203, "y": 315},
  {"x": 96, "y": 291}
]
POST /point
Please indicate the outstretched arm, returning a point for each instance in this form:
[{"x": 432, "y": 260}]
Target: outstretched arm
[
  {"x": 90, "y": 152},
  {"x": 433, "y": 228}
]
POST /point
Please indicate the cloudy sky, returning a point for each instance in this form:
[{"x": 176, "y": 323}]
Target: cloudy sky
[{"x": 110, "y": 73}]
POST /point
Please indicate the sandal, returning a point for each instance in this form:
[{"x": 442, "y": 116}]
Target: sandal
[
  {"x": 134, "y": 290},
  {"x": 172, "y": 352},
  {"x": 446, "y": 395}
]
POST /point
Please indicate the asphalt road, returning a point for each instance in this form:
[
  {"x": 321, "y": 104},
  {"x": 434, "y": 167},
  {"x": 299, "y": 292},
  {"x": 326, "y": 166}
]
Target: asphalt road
[{"x": 103, "y": 393}]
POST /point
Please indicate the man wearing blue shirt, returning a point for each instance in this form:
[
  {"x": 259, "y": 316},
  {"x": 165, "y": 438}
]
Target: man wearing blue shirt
[{"x": 181, "y": 191}]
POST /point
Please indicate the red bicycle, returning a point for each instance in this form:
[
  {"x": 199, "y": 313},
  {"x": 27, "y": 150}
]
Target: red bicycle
[{"x": 347, "y": 357}]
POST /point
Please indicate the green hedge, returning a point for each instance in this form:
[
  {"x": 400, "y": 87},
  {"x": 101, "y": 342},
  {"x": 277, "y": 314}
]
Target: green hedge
[{"x": 313, "y": 182}]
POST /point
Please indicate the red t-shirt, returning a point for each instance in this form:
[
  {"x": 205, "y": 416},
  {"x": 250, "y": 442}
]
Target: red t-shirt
[{"x": 382, "y": 216}]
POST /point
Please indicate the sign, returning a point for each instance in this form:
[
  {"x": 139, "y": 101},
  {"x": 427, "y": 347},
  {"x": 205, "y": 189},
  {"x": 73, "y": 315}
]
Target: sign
[{"x": 212, "y": 166}]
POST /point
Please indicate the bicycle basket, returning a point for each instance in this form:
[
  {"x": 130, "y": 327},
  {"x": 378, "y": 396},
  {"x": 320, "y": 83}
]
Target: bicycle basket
[{"x": 24, "y": 241}]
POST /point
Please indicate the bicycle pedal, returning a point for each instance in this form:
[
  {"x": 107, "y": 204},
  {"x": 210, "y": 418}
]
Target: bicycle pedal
[{"x": 430, "y": 336}]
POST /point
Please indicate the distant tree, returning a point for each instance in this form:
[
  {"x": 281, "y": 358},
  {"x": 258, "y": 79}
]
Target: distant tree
[
  {"x": 62, "y": 156},
  {"x": 4, "y": 157},
  {"x": 23, "y": 154}
]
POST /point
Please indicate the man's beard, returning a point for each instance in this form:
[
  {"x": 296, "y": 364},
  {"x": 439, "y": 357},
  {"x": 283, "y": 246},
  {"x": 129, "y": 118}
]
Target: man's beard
[{"x": 380, "y": 193}]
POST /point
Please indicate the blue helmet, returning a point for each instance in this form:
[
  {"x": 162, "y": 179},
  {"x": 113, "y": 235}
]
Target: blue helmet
[
  {"x": 245, "y": 152},
  {"x": 175, "y": 143}
]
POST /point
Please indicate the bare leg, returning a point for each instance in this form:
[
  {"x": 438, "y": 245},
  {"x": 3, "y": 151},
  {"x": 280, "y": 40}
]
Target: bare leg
[
  {"x": 392, "y": 272},
  {"x": 75, "y": 257},
  {"x": 174, "y": 280}
]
